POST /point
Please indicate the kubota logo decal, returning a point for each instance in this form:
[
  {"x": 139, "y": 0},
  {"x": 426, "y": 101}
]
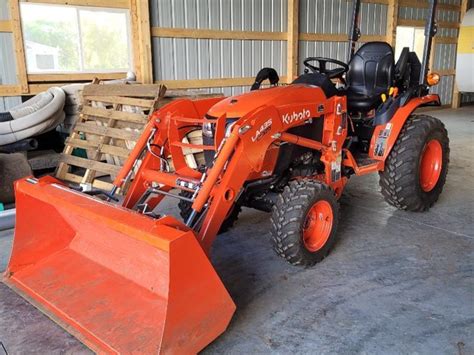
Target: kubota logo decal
[
  {"x": 296, "y": 116},
  {"x": 264, "y": 128}
]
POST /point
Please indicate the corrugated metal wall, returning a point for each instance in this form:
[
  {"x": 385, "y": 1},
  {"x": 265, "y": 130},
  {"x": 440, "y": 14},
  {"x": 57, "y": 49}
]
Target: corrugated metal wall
[
  {"x": 205, "y": 58},
  {"x": 7, "y": 60},
  {"x": 444, "y": 89},
  {"x": 4, "y": 12},
  {"x": 175, "y": 59},
  {"x": 202, "y": 58},
  {"x": 320, "y": 16},
  {"x": 334, "y": 17},
  {"x": 444, "y": 54}
]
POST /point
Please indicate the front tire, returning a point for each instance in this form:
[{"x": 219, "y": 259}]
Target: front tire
[
  {"x": 416, "y": 168},
  {"x": 304, "y": 222}
]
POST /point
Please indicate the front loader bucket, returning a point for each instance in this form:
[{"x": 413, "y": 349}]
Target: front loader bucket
[{"x": 117, "y": 280}]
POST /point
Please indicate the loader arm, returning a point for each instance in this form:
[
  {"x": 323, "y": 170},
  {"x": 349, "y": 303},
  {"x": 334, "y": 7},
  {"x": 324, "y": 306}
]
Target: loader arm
[{"x": 240, "y": 157}]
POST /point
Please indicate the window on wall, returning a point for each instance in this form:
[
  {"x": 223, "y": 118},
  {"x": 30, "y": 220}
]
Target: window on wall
[
  {"x": 65, "y": 39},
  {"x": 411, "y": 37}
]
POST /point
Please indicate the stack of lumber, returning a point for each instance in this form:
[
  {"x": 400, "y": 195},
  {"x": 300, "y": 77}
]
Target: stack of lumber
[
  {"x": 110, "y": 121},
  {"x": 73, "y": 103}
]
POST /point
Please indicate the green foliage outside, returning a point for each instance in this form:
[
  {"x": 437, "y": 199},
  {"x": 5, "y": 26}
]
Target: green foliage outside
[
  {"x": 58, "y": 34},
  {"x": 104, "y": 42}
]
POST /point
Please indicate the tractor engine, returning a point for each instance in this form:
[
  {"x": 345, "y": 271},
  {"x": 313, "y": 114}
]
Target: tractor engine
[{"x": 293, "y": 161}]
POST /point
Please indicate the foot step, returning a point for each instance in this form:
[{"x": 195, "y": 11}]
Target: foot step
[{"x": 364, "y": 161}]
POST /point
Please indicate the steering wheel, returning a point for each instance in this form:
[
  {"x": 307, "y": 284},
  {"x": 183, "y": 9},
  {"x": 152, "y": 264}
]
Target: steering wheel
[{"x": 321, "y": 68}]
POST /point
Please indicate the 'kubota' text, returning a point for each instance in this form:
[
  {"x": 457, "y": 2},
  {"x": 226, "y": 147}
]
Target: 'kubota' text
[{"x": 296, "y": 116}]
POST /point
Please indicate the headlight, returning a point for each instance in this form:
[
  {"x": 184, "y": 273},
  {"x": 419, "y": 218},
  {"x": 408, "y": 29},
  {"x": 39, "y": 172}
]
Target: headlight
[
  {"x": 228, "y": 128},
  {"x": 432, "y": 79},
  {"x": 207, "y": 130}
]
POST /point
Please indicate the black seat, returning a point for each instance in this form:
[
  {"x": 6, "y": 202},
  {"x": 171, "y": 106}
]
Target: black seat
[
  {"x": 371, "y": 73},
  {"x": 318, "y": 79}
]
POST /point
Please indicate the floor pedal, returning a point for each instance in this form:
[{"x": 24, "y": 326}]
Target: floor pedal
[{"x": 364, "y": 160}]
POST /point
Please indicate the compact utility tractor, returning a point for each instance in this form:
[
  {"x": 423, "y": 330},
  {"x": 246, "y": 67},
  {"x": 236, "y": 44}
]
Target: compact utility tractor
[{"x": 124, "y": 279}]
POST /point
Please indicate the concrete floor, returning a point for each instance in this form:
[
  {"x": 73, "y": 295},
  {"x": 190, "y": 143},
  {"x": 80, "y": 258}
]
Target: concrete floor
[{"x": 396, "y": 282}]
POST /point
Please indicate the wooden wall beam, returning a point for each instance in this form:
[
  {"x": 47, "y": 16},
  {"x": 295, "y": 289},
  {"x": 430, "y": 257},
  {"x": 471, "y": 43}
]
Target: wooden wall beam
[
  {"x": 252, "y": 35},
  {"x": 292, "y": 40},
  {"x": 447, "y": 40},
  {"x": 383, "y": 2},
  {"x": 34, "y": 89},
  {"x": 456, "y": 101},
  {"x": 328, "y": 37},
  {"x": 421, "y": 23},
  {"x": 18, "y": 44},
  {"x": 118, "y": 4},
  {"x": 445, "y": 72},
  {"x": 10, "y": 90},
  {"x": 135, "y": 38},
  {"x": 423, "y": 4},
  {"x": 35, "y": 78},
  {"x": 392, "y": 20},
  {"x": 143, "y": 61},
  {"x": 216, "y": 34},
  {"x": 5, "y": 26},
  {"x": 210, "y": 83}
]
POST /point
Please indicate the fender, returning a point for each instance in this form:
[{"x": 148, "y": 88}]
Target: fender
[{"x": 385, "y": 135}]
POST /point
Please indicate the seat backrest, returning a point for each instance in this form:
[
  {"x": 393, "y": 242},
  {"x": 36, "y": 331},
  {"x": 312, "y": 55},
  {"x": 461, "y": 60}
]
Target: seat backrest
[
  {"x": 402, "y": 63},
  {"x": 402, "y": 69},
  {"x": 415, "y": 68},
  {"x": 371, "y": 70}
]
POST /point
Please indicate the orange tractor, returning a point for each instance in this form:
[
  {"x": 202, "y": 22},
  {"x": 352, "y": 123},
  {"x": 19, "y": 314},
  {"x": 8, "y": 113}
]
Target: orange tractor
[{"x": 124, "y": 279}]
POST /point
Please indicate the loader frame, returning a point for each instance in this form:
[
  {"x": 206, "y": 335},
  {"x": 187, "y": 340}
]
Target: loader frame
[{"x": 242, "y": 154}]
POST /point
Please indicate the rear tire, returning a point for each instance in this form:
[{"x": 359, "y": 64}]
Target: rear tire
[
  {"x": 416, "y": 168},
  {"x": 304, "y": 222}
]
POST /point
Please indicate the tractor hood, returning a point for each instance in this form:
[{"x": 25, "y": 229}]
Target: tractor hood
[{"x": 239, "y": 105}]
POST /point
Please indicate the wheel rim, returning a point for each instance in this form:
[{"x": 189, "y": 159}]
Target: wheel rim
[
  {"x": 431, "y": 165},
  {"x": 317, "y": 226}
]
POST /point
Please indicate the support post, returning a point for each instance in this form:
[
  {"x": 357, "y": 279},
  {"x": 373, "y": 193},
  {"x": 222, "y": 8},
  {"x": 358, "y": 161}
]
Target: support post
[
  {"x": 430, "y": 31},
  {"x": 354, "y": 32},
  {"x": 293, "y": 37},
  {"x": 19, "y": 46},
  {"x": 456, "y": 99},
  {"x": 392, "y": 20},
  {"x": 141, "y": 34}
]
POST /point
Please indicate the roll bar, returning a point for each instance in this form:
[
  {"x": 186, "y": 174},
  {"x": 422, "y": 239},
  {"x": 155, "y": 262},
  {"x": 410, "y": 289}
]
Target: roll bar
[
  {"x": 430, "y": 31},
  {"x": 354, "y": 32}
]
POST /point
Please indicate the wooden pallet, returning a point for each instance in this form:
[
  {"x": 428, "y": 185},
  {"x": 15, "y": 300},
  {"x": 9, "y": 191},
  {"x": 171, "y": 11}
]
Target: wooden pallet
[{"x": 111, "y": 120}]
